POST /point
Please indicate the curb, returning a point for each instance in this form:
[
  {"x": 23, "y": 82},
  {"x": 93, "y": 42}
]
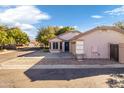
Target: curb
[{"x": 59, "y": 66}]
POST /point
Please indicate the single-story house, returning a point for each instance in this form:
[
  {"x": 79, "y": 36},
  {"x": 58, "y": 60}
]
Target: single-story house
[
  {"x": 61, "y": 43},
  {"x": 104, "y": 42}
]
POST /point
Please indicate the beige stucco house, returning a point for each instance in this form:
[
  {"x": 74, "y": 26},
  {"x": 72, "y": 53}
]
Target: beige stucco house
[
  {"x": 61, "y": 43},
  {"x": 105, "y": 42}
]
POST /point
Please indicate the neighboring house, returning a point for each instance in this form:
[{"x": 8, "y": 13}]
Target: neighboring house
[
  {"x": 100, "y": 42},
  {"x": 33, "y": 43}
]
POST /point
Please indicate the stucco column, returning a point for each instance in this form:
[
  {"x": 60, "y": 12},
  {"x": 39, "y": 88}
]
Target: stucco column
[
  {"x": 70, "y": 47},
  {"x": 121, "y": 53},
  {"x": 63, "y": 46},
  {"x": 58, "y": 45},
  {"x": 51, "y": 45}
]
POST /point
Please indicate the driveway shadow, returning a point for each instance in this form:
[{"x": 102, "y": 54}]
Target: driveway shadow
[{"x": 69, "y": 74}]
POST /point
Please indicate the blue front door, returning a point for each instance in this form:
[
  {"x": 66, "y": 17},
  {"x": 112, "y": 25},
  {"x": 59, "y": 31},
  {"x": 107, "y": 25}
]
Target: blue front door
[{"x": 66, "y": 46}]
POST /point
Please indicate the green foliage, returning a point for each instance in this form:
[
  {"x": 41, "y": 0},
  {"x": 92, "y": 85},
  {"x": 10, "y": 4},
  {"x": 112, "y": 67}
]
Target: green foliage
[
  {"x": 19, "y": 36},
  {"x": 12, "y": 36},
  {"x": 11, "y": 41},
  {"x": 64, "y": 29},
  {"x": 3, "y": 28},
  {"x": 46, "y": 33},
  {"x": 3, "y": 38},
  {"x": 119, "y": 25}
]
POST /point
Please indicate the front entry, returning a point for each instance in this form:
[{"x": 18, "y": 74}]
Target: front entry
[
  {"x": 66, "y": 46},
  {"x": 114, "y": 52}
]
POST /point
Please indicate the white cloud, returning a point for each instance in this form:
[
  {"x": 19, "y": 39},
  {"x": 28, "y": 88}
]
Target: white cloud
[
  {"x": 24, "y": 26},
  {"x": 60, "y": 26},
  {"x": 7, "y": 6},
  {"x": 116, "y": 11},
  {"x": 96, "y": 16},
  {"x": 70, "y": 26},
  {"x": 22, "y": 16},
  {"x": 75, "y": 27}
]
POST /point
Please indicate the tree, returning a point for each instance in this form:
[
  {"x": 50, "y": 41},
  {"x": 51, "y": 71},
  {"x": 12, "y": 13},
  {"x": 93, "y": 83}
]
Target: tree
[
  {"x": 64, "y": 29},
  {"x": 3, "y": 28},
  {"x": 12, "y": 36},
  {"x": 19, "y": 36},
  {"x": 11, "y": 41},
  {"x": 119, "y": 25},
  {"x": 3, "y": 39},
  {"x": 46, "y": 33}
]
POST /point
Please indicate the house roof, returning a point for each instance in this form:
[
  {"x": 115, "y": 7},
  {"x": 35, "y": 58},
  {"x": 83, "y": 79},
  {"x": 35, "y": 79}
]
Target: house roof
[
  {"x": 55, "y": 37},
  {"x": 64, "y": 34},
  {"x": 99, "y": 28},
  {"x": 69, "y": 32}
]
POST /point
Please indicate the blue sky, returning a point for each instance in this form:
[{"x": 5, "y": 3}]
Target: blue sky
[{"x": 82, "y": 17}]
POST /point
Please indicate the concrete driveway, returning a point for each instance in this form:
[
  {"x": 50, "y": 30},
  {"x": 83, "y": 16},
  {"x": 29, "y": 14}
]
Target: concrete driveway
[
  {"x": 27, "y": 59},
  {"x": 37, "y": 59},
  {"x": 48, "y": 55}
]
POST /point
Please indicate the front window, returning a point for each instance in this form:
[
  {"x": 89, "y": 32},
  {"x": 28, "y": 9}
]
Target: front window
[
  {"x": 55, "y": 45},
  {"x": 60, "y": 45}
]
